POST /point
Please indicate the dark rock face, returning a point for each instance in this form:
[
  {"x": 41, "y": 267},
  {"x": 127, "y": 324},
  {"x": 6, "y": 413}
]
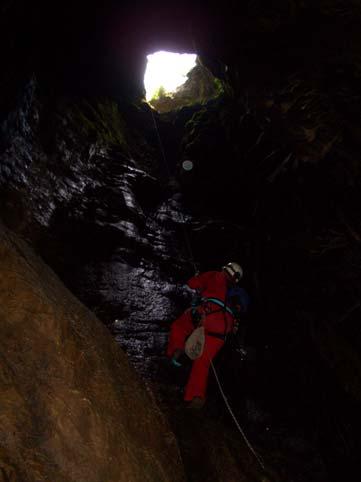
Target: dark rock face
[
  {"x": 97, "y": 214},
  {"x": 289, "y": 217}
]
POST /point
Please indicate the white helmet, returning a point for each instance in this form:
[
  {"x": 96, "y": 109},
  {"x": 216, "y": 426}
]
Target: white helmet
[{"x": 234, "y": 270}]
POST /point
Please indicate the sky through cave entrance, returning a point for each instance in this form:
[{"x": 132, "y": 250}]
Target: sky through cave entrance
[{"x": 168, "y": 70}]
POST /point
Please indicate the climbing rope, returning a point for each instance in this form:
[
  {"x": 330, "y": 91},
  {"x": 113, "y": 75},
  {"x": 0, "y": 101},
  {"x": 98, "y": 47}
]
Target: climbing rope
[
  {"x": 258, "y": 458},
  {"x": 189, "y": 247},
  {"x": 166, "y": 164},
  {"x": 229, "y": 408}
]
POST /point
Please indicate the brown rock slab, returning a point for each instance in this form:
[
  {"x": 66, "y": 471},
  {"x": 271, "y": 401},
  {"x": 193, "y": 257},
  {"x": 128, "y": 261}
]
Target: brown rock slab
[{"x": 71, "y": 407}]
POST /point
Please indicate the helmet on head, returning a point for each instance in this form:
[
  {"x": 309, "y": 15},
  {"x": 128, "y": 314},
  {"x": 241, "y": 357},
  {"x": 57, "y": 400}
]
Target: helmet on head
[{"x": 234, "y": 270}]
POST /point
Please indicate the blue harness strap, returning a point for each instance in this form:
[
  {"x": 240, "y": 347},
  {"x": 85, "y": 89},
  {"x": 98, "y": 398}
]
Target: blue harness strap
[{"x": 220, "y": 303}]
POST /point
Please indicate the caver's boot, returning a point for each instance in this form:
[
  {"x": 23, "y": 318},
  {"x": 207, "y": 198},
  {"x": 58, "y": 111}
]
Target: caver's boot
[{"x": 196, "y": 403}]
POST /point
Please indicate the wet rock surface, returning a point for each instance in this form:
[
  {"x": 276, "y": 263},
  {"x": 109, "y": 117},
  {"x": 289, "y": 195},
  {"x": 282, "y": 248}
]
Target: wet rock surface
[{"x": 110, "y": 227}]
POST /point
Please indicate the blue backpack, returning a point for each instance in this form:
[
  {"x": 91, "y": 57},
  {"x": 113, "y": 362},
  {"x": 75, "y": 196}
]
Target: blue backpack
[
  {"x": 238, "y": 300},
  {"x": 236, "y": 303}
]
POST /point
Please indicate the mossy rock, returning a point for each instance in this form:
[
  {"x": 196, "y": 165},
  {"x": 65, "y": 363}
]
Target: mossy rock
[{"x": 100, "y": 120}]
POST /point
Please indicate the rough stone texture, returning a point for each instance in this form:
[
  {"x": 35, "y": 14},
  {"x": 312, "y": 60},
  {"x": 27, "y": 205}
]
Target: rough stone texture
[
  {"x": 71, "y": 407},
  {"x": 276, "y": 185},
  {"x": 86, "y": 188}
]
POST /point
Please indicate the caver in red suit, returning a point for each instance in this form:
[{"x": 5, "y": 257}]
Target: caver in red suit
[{"x": 211, "y": 284}]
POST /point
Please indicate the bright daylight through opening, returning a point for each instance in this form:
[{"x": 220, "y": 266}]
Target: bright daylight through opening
[{"x": 168, "y": 70}]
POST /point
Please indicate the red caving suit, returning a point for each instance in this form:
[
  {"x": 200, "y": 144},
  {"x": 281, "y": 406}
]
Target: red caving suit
[{"x": 211, "y": 284}]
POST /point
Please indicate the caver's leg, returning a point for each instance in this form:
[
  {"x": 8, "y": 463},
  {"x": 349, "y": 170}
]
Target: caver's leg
[
  {"x": 181, "y": 328},
  {"x": 198, "y": 379}
]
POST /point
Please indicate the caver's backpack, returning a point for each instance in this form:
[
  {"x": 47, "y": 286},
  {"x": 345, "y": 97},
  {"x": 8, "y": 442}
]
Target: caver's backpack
[
  {"x": 237, "y": 300},
  {"x": 236, "y": 303}
]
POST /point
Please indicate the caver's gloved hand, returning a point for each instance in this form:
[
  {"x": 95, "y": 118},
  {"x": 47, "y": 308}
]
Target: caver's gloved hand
[
  {"x": 196, "y": 298},
  {"x": 176, "y": 363},
  {"x": 176, "y": 358}
]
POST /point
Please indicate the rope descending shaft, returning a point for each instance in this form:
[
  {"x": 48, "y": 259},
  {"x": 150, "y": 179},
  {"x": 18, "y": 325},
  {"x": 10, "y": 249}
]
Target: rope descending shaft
[
  {"x": 188, "y": 244},
  {"x": 166, "y": 164},
  {"x": 258, "y": 458}
]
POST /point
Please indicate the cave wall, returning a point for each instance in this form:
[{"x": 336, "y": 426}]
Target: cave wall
[{"x": 276, "y": 166}]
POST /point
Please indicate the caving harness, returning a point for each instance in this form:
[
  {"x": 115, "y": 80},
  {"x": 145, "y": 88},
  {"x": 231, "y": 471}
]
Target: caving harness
[
  {"x": 222, "y": 307},
  {"x": 226, "y": 306},
  {"x": 195, "y": 343},
  {"x": 220, "y": 303}
]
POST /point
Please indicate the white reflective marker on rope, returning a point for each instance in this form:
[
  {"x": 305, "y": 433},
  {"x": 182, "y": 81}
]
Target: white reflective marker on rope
[{"x": 187, "y": 165}]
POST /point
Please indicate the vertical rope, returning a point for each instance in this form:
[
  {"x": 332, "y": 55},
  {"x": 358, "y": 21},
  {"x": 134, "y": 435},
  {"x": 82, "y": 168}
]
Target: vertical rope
[
  {"x": 161, "y": 145},
  {"x": 258, "y": 458},
  {"x": 164, "y": 157}
]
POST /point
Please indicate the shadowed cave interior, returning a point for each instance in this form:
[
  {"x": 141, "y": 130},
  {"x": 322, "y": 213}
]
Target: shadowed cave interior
[{"x": 91, "y": 181}]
